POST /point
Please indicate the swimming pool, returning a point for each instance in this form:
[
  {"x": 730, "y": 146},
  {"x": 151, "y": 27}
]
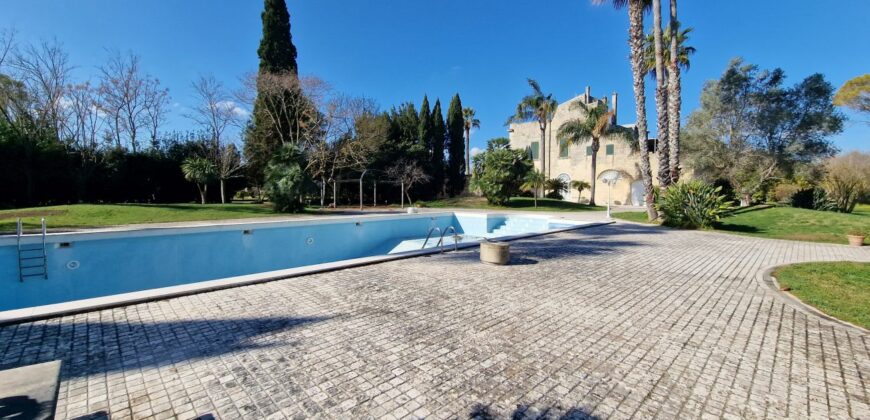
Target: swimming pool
[{"x": 83, "y": 268}]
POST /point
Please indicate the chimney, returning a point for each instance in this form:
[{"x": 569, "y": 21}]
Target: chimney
[
  {"x": 588, "y": 95},
  {"x": 613, "y": 105}
]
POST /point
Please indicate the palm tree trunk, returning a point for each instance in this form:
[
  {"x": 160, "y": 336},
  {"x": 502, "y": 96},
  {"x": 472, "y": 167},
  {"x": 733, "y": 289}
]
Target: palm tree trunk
[
  {"x": 662, "y": 126},
  {"x": 223, "y": 197},
  {"x": 594, "y": 165},
  {"x": 635, "y": 39},
  {"x": 468, "y": 151},
  {"x": 674, "y": 99},
  {"x": 543, "y": 149},
  {"x": 202, "y": 191}
]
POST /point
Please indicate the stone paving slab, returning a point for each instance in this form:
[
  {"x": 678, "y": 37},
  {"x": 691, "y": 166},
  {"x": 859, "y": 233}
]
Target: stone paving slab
[{"x": 617, "y": 321}]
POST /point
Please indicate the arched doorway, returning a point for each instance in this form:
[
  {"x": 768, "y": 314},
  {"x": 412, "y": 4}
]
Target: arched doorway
[
  {"x": 566, "y": 195},
  {"x": 637, "y": 193}
]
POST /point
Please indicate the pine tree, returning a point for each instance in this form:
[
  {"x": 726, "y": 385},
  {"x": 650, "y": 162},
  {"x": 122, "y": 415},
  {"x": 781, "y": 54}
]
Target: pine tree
[
  {"x": 439, "y": 135},
  {"x": 277, "y": 56},
  {"x": 455, "y": 147}
]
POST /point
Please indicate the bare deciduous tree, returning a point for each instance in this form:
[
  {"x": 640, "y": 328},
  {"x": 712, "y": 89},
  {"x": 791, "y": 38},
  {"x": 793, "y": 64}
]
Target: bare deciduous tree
[
  {"x": 124, "y": 94},
  {"x": 346, "y": 138},
  {"x": 214, "y": 113},
  {"x": 7, "y": 43},
  {"x": 408, "y": 174},
  {"x": 85, "y": 117},
  {"x": 289, "y": 104},
  {"x": 156, "y": 103},
  {"x": 44, "y": 71}
]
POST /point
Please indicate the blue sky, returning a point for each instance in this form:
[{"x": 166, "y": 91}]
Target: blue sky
[{"x": 395, "y": 51}]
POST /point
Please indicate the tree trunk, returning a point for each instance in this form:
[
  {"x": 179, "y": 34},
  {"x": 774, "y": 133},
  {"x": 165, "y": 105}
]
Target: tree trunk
[
  {"x": 542, "y": 150},
  {"x": 202, "y": 192},
  {"x": 636, "y": 38},
  {"x": 594, "y": 166},
  {"x": 662, "y": 126},
  {"x": 674, "y": 99},
  {"x": 322, "y": 192},
  {"x": 223, "y": 197},
  {"x": 468, "y": 151}
]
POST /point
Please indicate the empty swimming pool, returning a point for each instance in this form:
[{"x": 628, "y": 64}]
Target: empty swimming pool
[{"x": 101, "y": 267}]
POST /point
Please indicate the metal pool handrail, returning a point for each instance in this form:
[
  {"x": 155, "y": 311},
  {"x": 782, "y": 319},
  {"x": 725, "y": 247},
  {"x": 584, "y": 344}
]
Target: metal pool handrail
[
  {"x": 455, "y": 238},
  {"x": 429, "y": 235}
]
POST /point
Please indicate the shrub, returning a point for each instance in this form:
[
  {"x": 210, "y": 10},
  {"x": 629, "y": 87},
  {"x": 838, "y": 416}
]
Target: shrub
[
  {"x": 813, "y": 199},
  {"x": 691, "y": 204},
  {"x": 727, "y": 189},
  {"x": 554, "y": 195},
  {"x": 499, "y": 173},
  {"x": 557, "y": 188},
  {"x": 782, "y": 192},
  {"x": 286, "y": 180},
  {"x": 847, "y": 180}
]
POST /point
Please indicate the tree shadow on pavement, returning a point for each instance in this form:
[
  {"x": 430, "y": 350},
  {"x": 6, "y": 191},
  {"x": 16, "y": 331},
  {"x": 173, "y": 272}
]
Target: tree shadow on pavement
[
  {"x": 528, "y": 412},
  {"x": 92, "y": 348}
]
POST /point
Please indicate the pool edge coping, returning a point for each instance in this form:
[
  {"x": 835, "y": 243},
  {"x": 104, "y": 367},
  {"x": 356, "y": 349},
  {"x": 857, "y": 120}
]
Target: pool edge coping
[{"x": 17, "y": 316}]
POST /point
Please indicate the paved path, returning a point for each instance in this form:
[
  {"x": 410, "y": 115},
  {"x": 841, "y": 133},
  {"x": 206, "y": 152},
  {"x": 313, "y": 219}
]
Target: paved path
[{"x": 617, "y": 321}]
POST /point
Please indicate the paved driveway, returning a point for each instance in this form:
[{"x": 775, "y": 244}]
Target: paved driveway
[{"x": 615, "y": 321}]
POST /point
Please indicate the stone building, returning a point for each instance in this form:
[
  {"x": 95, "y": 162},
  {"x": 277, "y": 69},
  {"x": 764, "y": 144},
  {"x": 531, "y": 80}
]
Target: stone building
[{"x": 573, "y": 162}]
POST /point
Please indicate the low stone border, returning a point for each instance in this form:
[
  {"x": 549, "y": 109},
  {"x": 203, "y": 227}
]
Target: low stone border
[{"x": 765, "y": 276}]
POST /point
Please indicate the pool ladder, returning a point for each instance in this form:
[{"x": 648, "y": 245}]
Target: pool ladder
[
  {"x": 32, "y": 260},
  {"x": 440, "y": 243}
]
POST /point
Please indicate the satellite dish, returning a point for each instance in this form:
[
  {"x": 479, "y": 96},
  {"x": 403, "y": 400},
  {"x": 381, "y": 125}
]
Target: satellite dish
[{"x": 610, "y": 176}]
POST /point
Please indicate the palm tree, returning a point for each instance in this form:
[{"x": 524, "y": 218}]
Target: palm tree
[
  {"x": 675, "y": 90},
  {"x": 661, "y": 98},
  {"x": 635, "y": 42},
  {"x": 596, "y": 123},
  {"x": 580, "y": 186},
  {"x": 556, "y": 186},
  {"x": 676, "y": 62},
  {"x": 534, "y": 181},
  {"x": 536, "y": 107},
  {"x": 683, "y": 53},
  {"x": 201, "y": 172},
  {"x": 469, "y": 122}
]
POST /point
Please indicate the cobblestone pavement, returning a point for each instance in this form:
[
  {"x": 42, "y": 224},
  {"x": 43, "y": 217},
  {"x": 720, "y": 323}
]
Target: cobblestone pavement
[{"x": 616, "y": 321}]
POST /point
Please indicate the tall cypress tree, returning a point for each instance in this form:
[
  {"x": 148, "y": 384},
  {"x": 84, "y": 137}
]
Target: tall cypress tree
[
  {"x": 277, "y": 52},
  {"x": 277, "y": 56},
  {"x": 425, "y": 131},
  {"x": 455, "y": 147},
  {"x": 439, "y": 135},
  {"x": 425, "y": 127}
]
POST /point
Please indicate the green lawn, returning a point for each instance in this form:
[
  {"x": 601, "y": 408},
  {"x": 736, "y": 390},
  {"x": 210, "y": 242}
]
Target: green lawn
[
  {"x": 516, "y": 203},
  {"x": 633, "y": 216},
  {"x": 839, "y": 289},
  {"x": 97, "y": 215},
  {"x": 786, "y": 223}
]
